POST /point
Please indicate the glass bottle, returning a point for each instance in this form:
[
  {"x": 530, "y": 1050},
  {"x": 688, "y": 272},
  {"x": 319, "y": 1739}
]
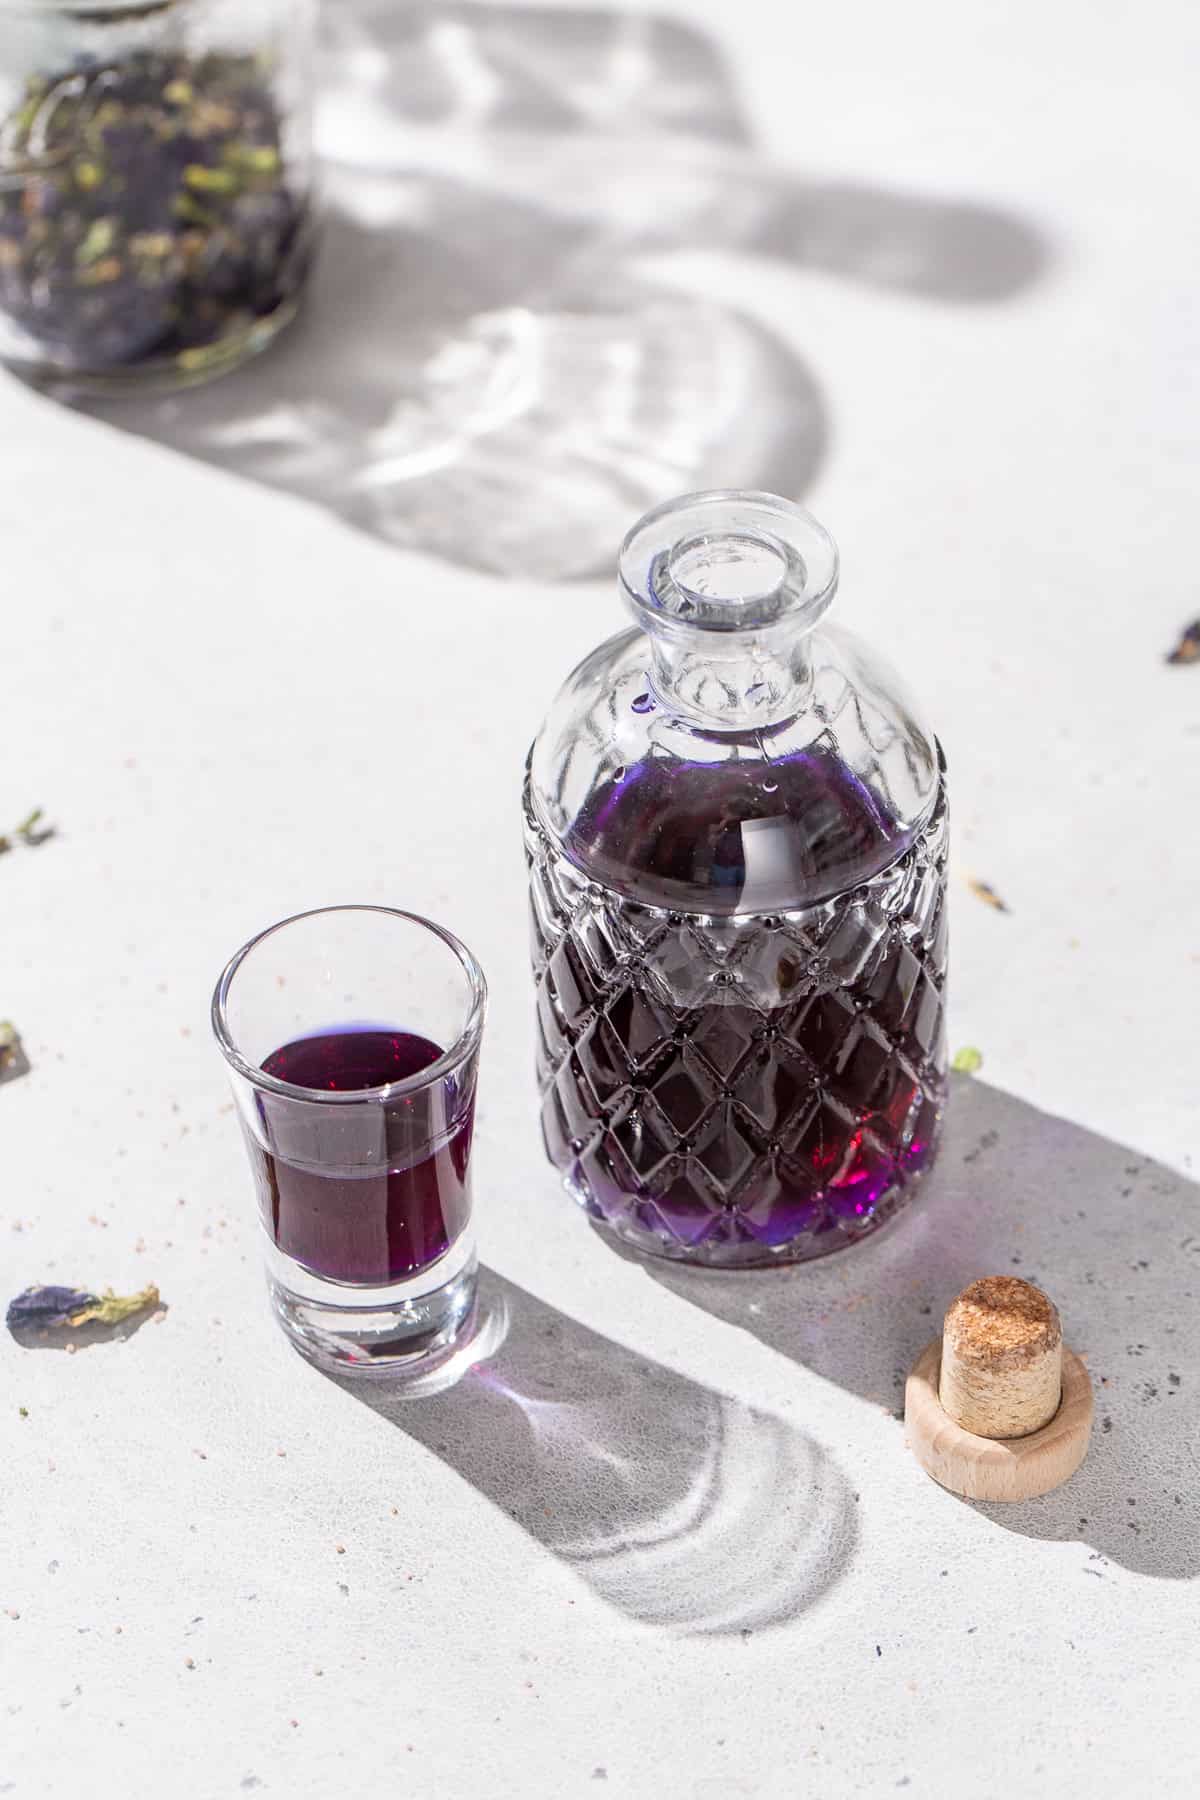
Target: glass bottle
[
  {"x": 155, "y": 186},
  {"x": 736, "y": 835}
]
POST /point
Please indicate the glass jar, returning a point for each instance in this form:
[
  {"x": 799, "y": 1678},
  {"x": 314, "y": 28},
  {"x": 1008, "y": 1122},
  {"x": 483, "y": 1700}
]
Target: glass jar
[
  {"x": 156, "y": 183},
  {"x": 736, "y": 834}
]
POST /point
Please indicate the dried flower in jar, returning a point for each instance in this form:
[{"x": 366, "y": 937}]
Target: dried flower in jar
[{"x": 147, "y": 213}]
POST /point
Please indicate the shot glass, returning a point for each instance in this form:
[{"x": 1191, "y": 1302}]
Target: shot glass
[{"x": 352, "y": 1037}]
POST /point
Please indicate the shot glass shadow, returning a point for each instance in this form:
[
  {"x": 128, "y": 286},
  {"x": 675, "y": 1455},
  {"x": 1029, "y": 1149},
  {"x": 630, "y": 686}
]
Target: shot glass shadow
[{"x": 681, "y": 1507}]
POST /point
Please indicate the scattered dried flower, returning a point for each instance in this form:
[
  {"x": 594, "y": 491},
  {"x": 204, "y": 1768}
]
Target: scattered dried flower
[
  {"x": 1187, "y": 650},
  {"x": 983, "y": 890},
  {"x": 43, "y": 1305},
  {"x": 30, "y": 831}
]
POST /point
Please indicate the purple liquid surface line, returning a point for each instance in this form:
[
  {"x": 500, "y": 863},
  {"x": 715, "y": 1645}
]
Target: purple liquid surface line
[
  {"x": 364, "y": 1197},
  {"x": 733, "y": 835}
]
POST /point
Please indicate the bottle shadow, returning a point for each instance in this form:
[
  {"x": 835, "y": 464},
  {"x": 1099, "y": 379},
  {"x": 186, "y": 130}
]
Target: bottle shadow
[
  {"x": 681, "y": 1507},
  {"x": 497, "y": 363},
  {"x": 1111, "y": 1235}
]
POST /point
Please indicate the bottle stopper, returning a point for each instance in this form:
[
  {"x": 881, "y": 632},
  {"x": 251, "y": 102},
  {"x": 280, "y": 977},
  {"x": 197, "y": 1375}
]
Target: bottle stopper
[{"x": 998, "y": 1408}]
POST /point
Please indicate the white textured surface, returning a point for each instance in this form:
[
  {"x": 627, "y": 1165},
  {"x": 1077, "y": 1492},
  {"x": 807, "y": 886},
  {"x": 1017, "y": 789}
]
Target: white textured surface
[{"x": 670, "y": 1541}]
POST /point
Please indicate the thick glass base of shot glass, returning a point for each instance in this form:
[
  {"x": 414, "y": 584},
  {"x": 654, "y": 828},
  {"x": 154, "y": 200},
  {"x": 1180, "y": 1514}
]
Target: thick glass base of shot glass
[{"x": 405, "y": 1330}]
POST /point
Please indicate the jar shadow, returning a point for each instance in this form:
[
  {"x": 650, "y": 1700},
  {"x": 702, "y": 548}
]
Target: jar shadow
[
  {"x": 1111, "y": 1235},
  {"x": 506, "y": 352},
  {"x": 679, "y": 1506},
  {"x": 634, "y": 121},
  {"x": 429, "y": 396}
]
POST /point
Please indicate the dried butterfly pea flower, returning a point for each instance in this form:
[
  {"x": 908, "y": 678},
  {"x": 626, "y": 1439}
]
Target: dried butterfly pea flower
[
  {"x": 1187, "y": 650},
  {"x": 27, "y": 831},
  {"x": 983, "y": 890},
  {"x": 47, "y": 1306},
  {"x": 43, "y": 1305}
]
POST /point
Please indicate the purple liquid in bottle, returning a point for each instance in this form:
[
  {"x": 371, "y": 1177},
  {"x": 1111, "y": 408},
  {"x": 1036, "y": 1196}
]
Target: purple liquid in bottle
[
  {"x": 338, "y": 1217},
  {"x": 730, "y": 836},
  {"x": 728, "y": 1130}
]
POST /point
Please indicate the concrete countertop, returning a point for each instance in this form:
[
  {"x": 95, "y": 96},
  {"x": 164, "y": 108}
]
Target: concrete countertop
[{"x": 285, "y": 642}]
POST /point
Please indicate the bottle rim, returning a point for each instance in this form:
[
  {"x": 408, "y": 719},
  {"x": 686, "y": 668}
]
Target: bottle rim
[{"x": 728, "y": 560}]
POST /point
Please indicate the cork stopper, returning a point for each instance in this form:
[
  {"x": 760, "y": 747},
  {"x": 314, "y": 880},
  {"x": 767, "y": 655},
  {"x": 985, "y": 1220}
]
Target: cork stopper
[
  {"x": 998, "y": 1409},
  {"x": 1001, "y": 1374}
]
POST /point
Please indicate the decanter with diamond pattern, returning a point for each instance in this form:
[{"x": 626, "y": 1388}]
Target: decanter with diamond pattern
[{"x": 736, "y": 835}]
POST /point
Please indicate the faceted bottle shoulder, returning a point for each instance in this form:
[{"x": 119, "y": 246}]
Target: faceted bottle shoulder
[{"x": 676, "y": 806}]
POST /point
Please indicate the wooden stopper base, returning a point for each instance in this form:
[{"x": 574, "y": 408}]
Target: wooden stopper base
[{"x": 997, "y": 1409}]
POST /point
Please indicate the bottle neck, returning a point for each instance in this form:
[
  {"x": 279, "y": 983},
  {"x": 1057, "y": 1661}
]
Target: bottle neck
[
  {"x": 728, "y": 587},
  {"x": 735, "y": 681}
]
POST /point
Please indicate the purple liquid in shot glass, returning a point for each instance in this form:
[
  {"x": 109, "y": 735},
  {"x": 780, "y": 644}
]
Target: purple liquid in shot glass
[{"x": 361, "y": 1224}]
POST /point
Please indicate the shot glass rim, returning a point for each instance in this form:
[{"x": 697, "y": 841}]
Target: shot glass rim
[{"x": 452, "y": 1058}]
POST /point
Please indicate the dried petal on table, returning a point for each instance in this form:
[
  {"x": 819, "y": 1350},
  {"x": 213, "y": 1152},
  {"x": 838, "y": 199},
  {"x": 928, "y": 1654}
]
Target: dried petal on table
[
  {"x": 983, "y": 890},
  {"x": 45, "y": 1305},
  {"x": 30, "y": 831},
  {"x": 1187, "y": 650}
]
